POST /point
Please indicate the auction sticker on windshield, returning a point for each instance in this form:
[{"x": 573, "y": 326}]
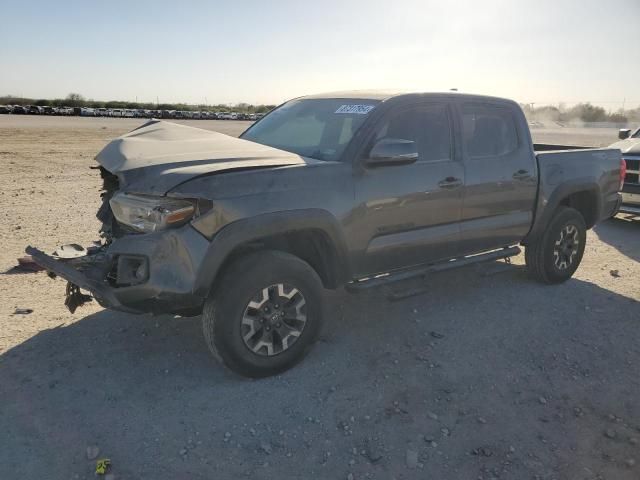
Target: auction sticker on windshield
[{"x": 357, "y": 109}]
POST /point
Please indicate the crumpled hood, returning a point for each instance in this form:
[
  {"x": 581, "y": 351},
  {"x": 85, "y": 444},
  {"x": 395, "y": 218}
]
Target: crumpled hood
[
  {"x": 629, "y": 145},
  {"x": 159, "y": 155}
]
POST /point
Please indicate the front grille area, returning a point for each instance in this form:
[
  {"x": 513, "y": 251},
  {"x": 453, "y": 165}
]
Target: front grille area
[{"x": 633, "y": 171}]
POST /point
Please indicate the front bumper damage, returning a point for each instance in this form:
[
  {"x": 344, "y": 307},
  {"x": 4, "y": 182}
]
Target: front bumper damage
[
  {"x": 146, "y": 273},
  {"x": 77, "y": 278}
]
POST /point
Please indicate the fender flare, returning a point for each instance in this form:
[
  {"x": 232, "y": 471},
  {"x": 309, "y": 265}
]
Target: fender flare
[
  {"x": 546, "y": 206},
  {"x": 264, "y": 225}
]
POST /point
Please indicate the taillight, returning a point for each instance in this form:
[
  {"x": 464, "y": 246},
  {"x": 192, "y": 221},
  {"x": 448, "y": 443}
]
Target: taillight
[{"x": 623, "y": 173}]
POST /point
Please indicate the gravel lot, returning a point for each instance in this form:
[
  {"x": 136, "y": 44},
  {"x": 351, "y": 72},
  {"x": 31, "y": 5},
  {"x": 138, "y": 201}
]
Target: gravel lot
[{"x": 485, "y": 375}]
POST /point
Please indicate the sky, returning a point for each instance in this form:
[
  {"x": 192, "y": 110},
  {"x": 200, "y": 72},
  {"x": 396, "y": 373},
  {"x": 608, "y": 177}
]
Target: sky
[{"x": 540, "y": 51}]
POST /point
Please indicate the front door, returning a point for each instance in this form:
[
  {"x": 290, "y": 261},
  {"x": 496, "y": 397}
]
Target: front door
[{"x": 409, "y": 214}]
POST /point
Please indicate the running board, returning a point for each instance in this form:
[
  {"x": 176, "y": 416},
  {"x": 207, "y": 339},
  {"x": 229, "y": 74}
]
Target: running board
[{"x": 391, "y": 277}]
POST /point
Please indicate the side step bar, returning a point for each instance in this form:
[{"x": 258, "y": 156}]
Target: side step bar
[{"x": 420, "y": 271}]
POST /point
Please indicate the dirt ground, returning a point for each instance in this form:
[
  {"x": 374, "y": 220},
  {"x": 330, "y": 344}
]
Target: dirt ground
[{"x": 486, "y": 375}]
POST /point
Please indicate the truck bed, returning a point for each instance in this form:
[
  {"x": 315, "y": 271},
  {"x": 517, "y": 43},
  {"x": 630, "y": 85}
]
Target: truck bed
[{"x": 562, "y": 172}]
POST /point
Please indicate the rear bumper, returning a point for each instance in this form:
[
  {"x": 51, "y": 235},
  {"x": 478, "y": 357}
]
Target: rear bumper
[
  {"x": 171, "y": 260},
  {"x": 612, "y": 207},
  {"x": 630, "y": 201}
]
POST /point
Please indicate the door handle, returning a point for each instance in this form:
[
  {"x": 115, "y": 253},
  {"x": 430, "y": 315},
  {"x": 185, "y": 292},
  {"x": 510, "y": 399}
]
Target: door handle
[
  {"x": 450, "y": 182},
  {"x": 522, "y": 175}
]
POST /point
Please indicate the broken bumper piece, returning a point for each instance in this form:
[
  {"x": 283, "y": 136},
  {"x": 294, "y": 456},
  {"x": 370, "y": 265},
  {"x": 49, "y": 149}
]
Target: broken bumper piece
[
  {"x": 77, "y": 280},
  {"x": 149, "y": 273}
]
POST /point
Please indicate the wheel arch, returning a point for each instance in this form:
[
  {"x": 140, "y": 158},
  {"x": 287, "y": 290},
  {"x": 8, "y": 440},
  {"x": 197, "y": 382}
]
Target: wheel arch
[
  {"x": 585, "y": 202},
  {"x": 583, "y": 196},
  {"x": 312, "y": 235}
]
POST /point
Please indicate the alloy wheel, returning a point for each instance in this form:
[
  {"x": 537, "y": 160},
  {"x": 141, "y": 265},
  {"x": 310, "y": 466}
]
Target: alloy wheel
[
  {"x": 566, "y": 247},
  {"x": 274, "y": 319}
]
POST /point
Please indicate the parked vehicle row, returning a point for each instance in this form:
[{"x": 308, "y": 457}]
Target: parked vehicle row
[
  {"x": 36, "y": 110},
  {"x": 127, "y": 113}
]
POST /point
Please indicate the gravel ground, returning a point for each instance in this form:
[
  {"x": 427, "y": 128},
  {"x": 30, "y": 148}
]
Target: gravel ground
[{"x": 485, "y": 375}]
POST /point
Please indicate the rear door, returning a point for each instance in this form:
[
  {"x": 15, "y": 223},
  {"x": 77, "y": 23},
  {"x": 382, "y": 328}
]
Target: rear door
[
  {"x": 500, "y": 176},
  {"x": 409, "y": 214}
]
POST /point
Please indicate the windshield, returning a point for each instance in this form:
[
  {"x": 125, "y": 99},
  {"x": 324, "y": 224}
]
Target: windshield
[
  {"x": 636, "y": 134},
  {"x": 319, "y": 128}
]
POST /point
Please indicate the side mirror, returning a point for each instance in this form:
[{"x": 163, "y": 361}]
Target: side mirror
[
  {"x": 392, "y": 151},
  {"x": 624, "y": 133}
]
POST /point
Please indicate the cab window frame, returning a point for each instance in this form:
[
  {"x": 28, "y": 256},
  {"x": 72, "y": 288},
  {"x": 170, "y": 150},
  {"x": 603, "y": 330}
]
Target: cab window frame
[{"x": 505, "y": 109}]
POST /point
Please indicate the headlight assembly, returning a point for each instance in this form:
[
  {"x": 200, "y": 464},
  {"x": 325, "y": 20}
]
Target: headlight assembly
[{"x": 149, "y": 213}]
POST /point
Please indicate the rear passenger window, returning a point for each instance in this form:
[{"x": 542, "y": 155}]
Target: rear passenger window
[
  {"x": 488, "y": 131},
  {"x": 427, "y": 126}
]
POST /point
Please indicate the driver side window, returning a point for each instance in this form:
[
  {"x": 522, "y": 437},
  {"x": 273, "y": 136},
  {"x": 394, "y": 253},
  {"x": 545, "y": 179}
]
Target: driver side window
[{"x": 427, "y": 126}]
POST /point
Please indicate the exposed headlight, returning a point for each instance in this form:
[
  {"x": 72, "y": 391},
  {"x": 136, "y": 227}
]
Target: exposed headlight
[{"x": 150, "y": 214}]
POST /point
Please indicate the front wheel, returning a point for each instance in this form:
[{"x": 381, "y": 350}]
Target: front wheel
[
  {"x": 265, "y": 313},
  {"x": 556, "y": 254}
]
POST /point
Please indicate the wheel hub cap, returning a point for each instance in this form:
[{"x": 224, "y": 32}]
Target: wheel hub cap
[{"x": 274, "y": 319}]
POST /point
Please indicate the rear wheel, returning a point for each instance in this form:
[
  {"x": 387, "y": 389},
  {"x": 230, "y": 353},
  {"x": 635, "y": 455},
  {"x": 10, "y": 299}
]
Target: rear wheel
[
  {"x": 265, "y": 313},
  {"x": 556, "y": 254}
]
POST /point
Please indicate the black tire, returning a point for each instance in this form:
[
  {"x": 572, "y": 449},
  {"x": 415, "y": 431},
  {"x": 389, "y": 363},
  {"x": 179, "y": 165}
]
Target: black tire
[
  {"x": 549, "y": 262},
  {"x": 224, "y": 313}
]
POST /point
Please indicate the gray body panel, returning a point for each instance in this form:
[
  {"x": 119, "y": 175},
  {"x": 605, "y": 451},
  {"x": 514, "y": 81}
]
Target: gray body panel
[
  {"x": 562, "y": 173},
  {"x": 499, "y": 190},
  {"x": 402, "y": 218},
  {"x": 375, "y": 220}
]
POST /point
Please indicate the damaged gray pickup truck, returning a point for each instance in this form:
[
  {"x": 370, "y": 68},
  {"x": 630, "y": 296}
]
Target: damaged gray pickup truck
[{"x": 350, "y": 189}]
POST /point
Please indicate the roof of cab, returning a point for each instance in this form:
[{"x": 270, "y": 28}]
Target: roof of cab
[{"x": 383, "y": 95}]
